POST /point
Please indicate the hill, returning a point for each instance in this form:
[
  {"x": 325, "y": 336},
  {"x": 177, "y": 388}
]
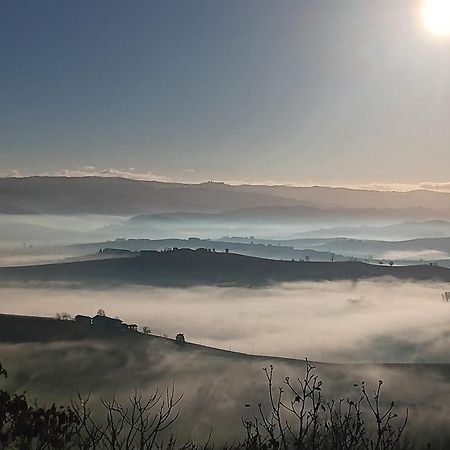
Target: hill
[
  {"x": 220, "y": 387},
  {"x": 397, "y": 231},
  {"x": 259, "y": 250},
  {"x": 26, "y": 329},
  {"x": 200, "y": 267},
  {"x": 413, "y": 249}
]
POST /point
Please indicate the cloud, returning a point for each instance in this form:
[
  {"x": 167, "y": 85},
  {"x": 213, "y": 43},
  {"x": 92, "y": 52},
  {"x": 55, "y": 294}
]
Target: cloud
[
  {"x": 444, "y": 186},
  {"x": 91, "y": 171},
  {"x": 402, "y": 187},
  {"x": 132, "y": 173},
  {"x": 375, "y": 186},
  {"x": 10, "y": 173}
]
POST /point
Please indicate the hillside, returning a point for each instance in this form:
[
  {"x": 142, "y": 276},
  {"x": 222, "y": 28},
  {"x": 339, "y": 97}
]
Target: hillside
[
  {"x": 219, "y": 386},
  {"x": 201, "y": 267},
  {"x": 27, "y": 329}
]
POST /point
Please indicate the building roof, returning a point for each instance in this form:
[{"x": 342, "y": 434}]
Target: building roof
[{"x": 106, "y": 319}]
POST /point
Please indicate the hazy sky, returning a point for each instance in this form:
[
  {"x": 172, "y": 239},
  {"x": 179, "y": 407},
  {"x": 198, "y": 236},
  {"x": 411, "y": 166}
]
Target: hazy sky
[{"x": 316, "y": 91}]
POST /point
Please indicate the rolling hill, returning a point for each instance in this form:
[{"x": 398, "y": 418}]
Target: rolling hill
[
  {"x": 201, "y": 267},
  {"x": 250, "y": 249},
  {"x": 413, "y": 249}
]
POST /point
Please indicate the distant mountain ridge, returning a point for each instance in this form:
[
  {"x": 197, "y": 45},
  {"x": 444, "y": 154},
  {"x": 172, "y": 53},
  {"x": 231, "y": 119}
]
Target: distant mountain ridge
[
  {"x": 397, "y": 231},
  {"x": 283, "y": 214},
  {"x": 121, "y": 196}
]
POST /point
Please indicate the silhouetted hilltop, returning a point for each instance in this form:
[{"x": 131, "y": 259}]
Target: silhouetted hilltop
[
  {"x": 201, "y": 267},
  {"x": 259, "y": 250},
  {"x": 439, "y": 247},
  {"x": 18, "y": 328},
  {"x": 28, "y": 329}
]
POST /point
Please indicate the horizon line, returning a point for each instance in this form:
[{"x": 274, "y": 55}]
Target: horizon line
[{"x": 426, "y": 186}]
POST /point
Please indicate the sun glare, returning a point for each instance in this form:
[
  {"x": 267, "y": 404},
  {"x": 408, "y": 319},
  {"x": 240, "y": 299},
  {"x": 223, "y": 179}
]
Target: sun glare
[{"x": 436, "y": 16}]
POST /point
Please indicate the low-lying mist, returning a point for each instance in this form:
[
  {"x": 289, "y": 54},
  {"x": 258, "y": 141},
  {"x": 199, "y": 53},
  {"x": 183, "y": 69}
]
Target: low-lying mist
[
  {"x": 218, "y": 389},
  {"x": 334, "y": 321},
  {"x": 369, "y": 321},
  {"x": 39, "y": 231}
]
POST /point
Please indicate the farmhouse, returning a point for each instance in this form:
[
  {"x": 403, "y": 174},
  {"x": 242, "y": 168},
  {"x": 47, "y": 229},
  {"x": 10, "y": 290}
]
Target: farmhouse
[
  {"x": 106, "y": 323},
  {"x": 102, "y": 322}
]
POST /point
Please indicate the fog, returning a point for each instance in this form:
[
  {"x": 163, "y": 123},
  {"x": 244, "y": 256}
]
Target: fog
[
  {"x": 334, "y": 321},
  {"x": 368, "y": 321},
  {"x": 43, "y": 230},
  {"x": 216, "y": 387}
]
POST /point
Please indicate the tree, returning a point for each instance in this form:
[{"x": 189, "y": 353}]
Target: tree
[
  {"x": 101, "y": 312},
  {"x": 180, "y": 338},
  {"x": 63, "y": 316},
  {"x": 140, "y": 423},
  {"x": 24, "y": 425},
  {"x": 146, "y": 330},
  {"x": 297, "y": 416}
]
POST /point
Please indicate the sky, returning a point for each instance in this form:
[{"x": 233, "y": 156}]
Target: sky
[{"x": 306, "y": 91}]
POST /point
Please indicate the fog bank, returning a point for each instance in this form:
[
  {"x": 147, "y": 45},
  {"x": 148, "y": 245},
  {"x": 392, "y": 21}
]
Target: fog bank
[{"x": 330, "y": 321}]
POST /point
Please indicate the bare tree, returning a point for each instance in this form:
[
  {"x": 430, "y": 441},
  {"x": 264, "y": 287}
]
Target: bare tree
[
  {"x": 296, "y": 416},
  {"x": 63, "y": 316},
  {"x": 140, "y": 423},
  {"x": 299, "y": 417}
]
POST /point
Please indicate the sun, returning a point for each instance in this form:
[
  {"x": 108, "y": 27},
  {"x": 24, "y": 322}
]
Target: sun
[{"x": 436, "y": 16}]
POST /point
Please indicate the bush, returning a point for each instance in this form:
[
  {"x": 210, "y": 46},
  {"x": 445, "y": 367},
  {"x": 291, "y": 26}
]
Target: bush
[{"x": 25, "y": 426}]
